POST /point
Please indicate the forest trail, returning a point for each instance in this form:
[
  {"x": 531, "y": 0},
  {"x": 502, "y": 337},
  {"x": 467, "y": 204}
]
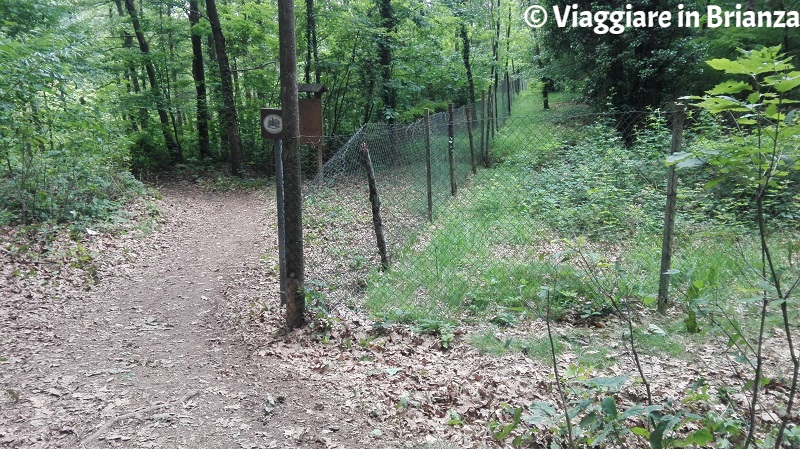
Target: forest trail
[{"x": 151, "y": 357}]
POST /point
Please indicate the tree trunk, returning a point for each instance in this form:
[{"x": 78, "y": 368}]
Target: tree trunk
[
  {"x": 388, "y": 25},
  {"x": 312, "y": 50},
  {"x": 198, "y": 71},
  {"x": 172, "y": 146},
  {"x": 465, "y": 50},
  {"x": 222, "y": 131},
  {"x": 226, "y": 84},
  {"x": 292, "y": 178}
]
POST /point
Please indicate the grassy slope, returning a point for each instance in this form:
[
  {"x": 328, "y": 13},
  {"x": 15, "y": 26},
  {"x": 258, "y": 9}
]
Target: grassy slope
[{"x": 561, "y": 182}]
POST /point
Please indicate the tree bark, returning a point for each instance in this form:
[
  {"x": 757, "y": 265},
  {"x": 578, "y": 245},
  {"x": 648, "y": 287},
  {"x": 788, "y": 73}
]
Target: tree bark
[
  {"x": 389, "y": 24},
  {"x": 226, "y": 84},
  {"x": 172, "y": 146},
  {"x": 312, "y": 50},
  {"x": 465, "y": 51},
  {"x": 198, "y": 71},
  {"x": 295, "y": 291}
]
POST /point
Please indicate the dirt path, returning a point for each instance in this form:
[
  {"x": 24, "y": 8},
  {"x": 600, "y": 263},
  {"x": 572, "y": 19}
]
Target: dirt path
[{"x": 152, "y": 357}]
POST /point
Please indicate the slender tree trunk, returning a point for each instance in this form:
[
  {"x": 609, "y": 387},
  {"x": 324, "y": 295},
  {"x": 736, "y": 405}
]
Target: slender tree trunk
[
  {"x": 312, "y": 50},
  {"x": 465, "y": 51},
  {"x": 370, "y": 100},
  {"x": 198, "y": 71},
  {"x": 339, "y": 103},
  {"x": 130, "y": 73},
  {"x": 508, "y": 58},
  {"x": 172, "y": 145},
  {"x": 226, "y": 84},
  {"x": 388, "y": 25},
  {"x": 222, "y": 130}
]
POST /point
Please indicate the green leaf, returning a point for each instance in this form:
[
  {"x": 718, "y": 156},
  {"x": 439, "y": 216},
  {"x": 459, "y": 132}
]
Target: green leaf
[
  {"x": 610, "y": 383},
  {"x": 641, "y": 431},
  {"x": 674, "y": 158},
  {"x": 588, "y": 420},
  {"x": 783, "y": 82},
  {"x": 701, "y": 437},
  {"x": 690, "y": 322},
  {"x": 455, "y": 418},
  {"x": 729, "y": 87},
  {"x": 721, "y": 104},
  {"x": 728, "y": 66},
  {"x": 664, "y": 424},
  {"x": 635, "y": 410},
  {"x": 609, "y": 407},
  {"x": 392, "y": 371}
]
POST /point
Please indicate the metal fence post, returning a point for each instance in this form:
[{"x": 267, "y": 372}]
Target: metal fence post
[{"x": 669, "y": 210}]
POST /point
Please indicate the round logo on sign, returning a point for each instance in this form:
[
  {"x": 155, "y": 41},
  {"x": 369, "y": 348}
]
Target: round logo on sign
[{"x": 273, "y": 124}]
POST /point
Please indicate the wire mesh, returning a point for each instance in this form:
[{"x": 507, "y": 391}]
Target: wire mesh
[{"x": 554, "y": 175}]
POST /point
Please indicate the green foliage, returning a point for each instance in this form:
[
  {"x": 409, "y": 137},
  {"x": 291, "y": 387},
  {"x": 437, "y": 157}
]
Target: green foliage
[
  {"x": 148, "y": 153},
  {"x": 608, "y": 188},
  {"x": 758, "y": 157},
  {"x": 629, "y": 71},
  {"x": 761, "y": 150},
  {"x": 593, "y": 410},
  {"x": 57, "y": 160}
]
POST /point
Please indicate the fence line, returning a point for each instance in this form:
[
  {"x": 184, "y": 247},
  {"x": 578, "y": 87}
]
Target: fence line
[{"x": 460, "y": 238}]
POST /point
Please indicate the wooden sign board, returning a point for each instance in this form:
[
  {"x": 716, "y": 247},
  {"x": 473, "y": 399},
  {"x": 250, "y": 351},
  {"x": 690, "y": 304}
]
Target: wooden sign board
[
  {"x": 271, "y": 123},
  {"x": 310, "y": 120}
]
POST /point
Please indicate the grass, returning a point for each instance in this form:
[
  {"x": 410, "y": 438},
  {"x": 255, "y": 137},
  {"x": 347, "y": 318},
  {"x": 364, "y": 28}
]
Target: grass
[{"x": 567, "y": 207}]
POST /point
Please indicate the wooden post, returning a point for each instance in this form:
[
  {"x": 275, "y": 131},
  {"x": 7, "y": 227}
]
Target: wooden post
[
  {"x": 279, "y": 196},
  {"x": 495, "y": 112},
  {"x": 292, "y": 176},
  {"x": 508, "y": 93},
  {"x": 451, "y": 150},
  {"x": 376, "y": 205},
  {"x": 320, "y": 162},
  {"x": 468, "y": 113},
  {"x": 490, "y": 120},
  {"x": 428, "y": 163},
  {"x": 669, "y": 210},
  {"x": 484, "y": 152}
]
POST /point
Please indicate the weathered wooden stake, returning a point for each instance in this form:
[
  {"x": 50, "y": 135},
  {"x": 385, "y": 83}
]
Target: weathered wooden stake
[
  {"x": 451, "y": 149},
  {"x": 376, "y": 205},
  {"x": 468, "y": 113},
  {"x": 484, "y": 152},
  {"x": 428, "y": 163},
  {"x": 490, "y": 121},
  {"x": 669, "y": 211}
]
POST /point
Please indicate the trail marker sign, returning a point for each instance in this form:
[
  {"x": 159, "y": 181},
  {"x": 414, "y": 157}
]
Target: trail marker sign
[{"x": 271, "y": 123}]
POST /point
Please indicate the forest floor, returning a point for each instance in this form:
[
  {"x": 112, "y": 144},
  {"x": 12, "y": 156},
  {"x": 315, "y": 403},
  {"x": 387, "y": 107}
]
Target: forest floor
[{"x": 169, "y": 335}]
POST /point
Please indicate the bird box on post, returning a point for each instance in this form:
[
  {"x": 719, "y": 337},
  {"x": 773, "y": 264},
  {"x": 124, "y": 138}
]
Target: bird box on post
[{"x": 311, "y": 118}]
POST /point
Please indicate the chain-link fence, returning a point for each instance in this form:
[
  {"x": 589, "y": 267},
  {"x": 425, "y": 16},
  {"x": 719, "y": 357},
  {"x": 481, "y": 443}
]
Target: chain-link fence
[{"x": 490, "y": 239}]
